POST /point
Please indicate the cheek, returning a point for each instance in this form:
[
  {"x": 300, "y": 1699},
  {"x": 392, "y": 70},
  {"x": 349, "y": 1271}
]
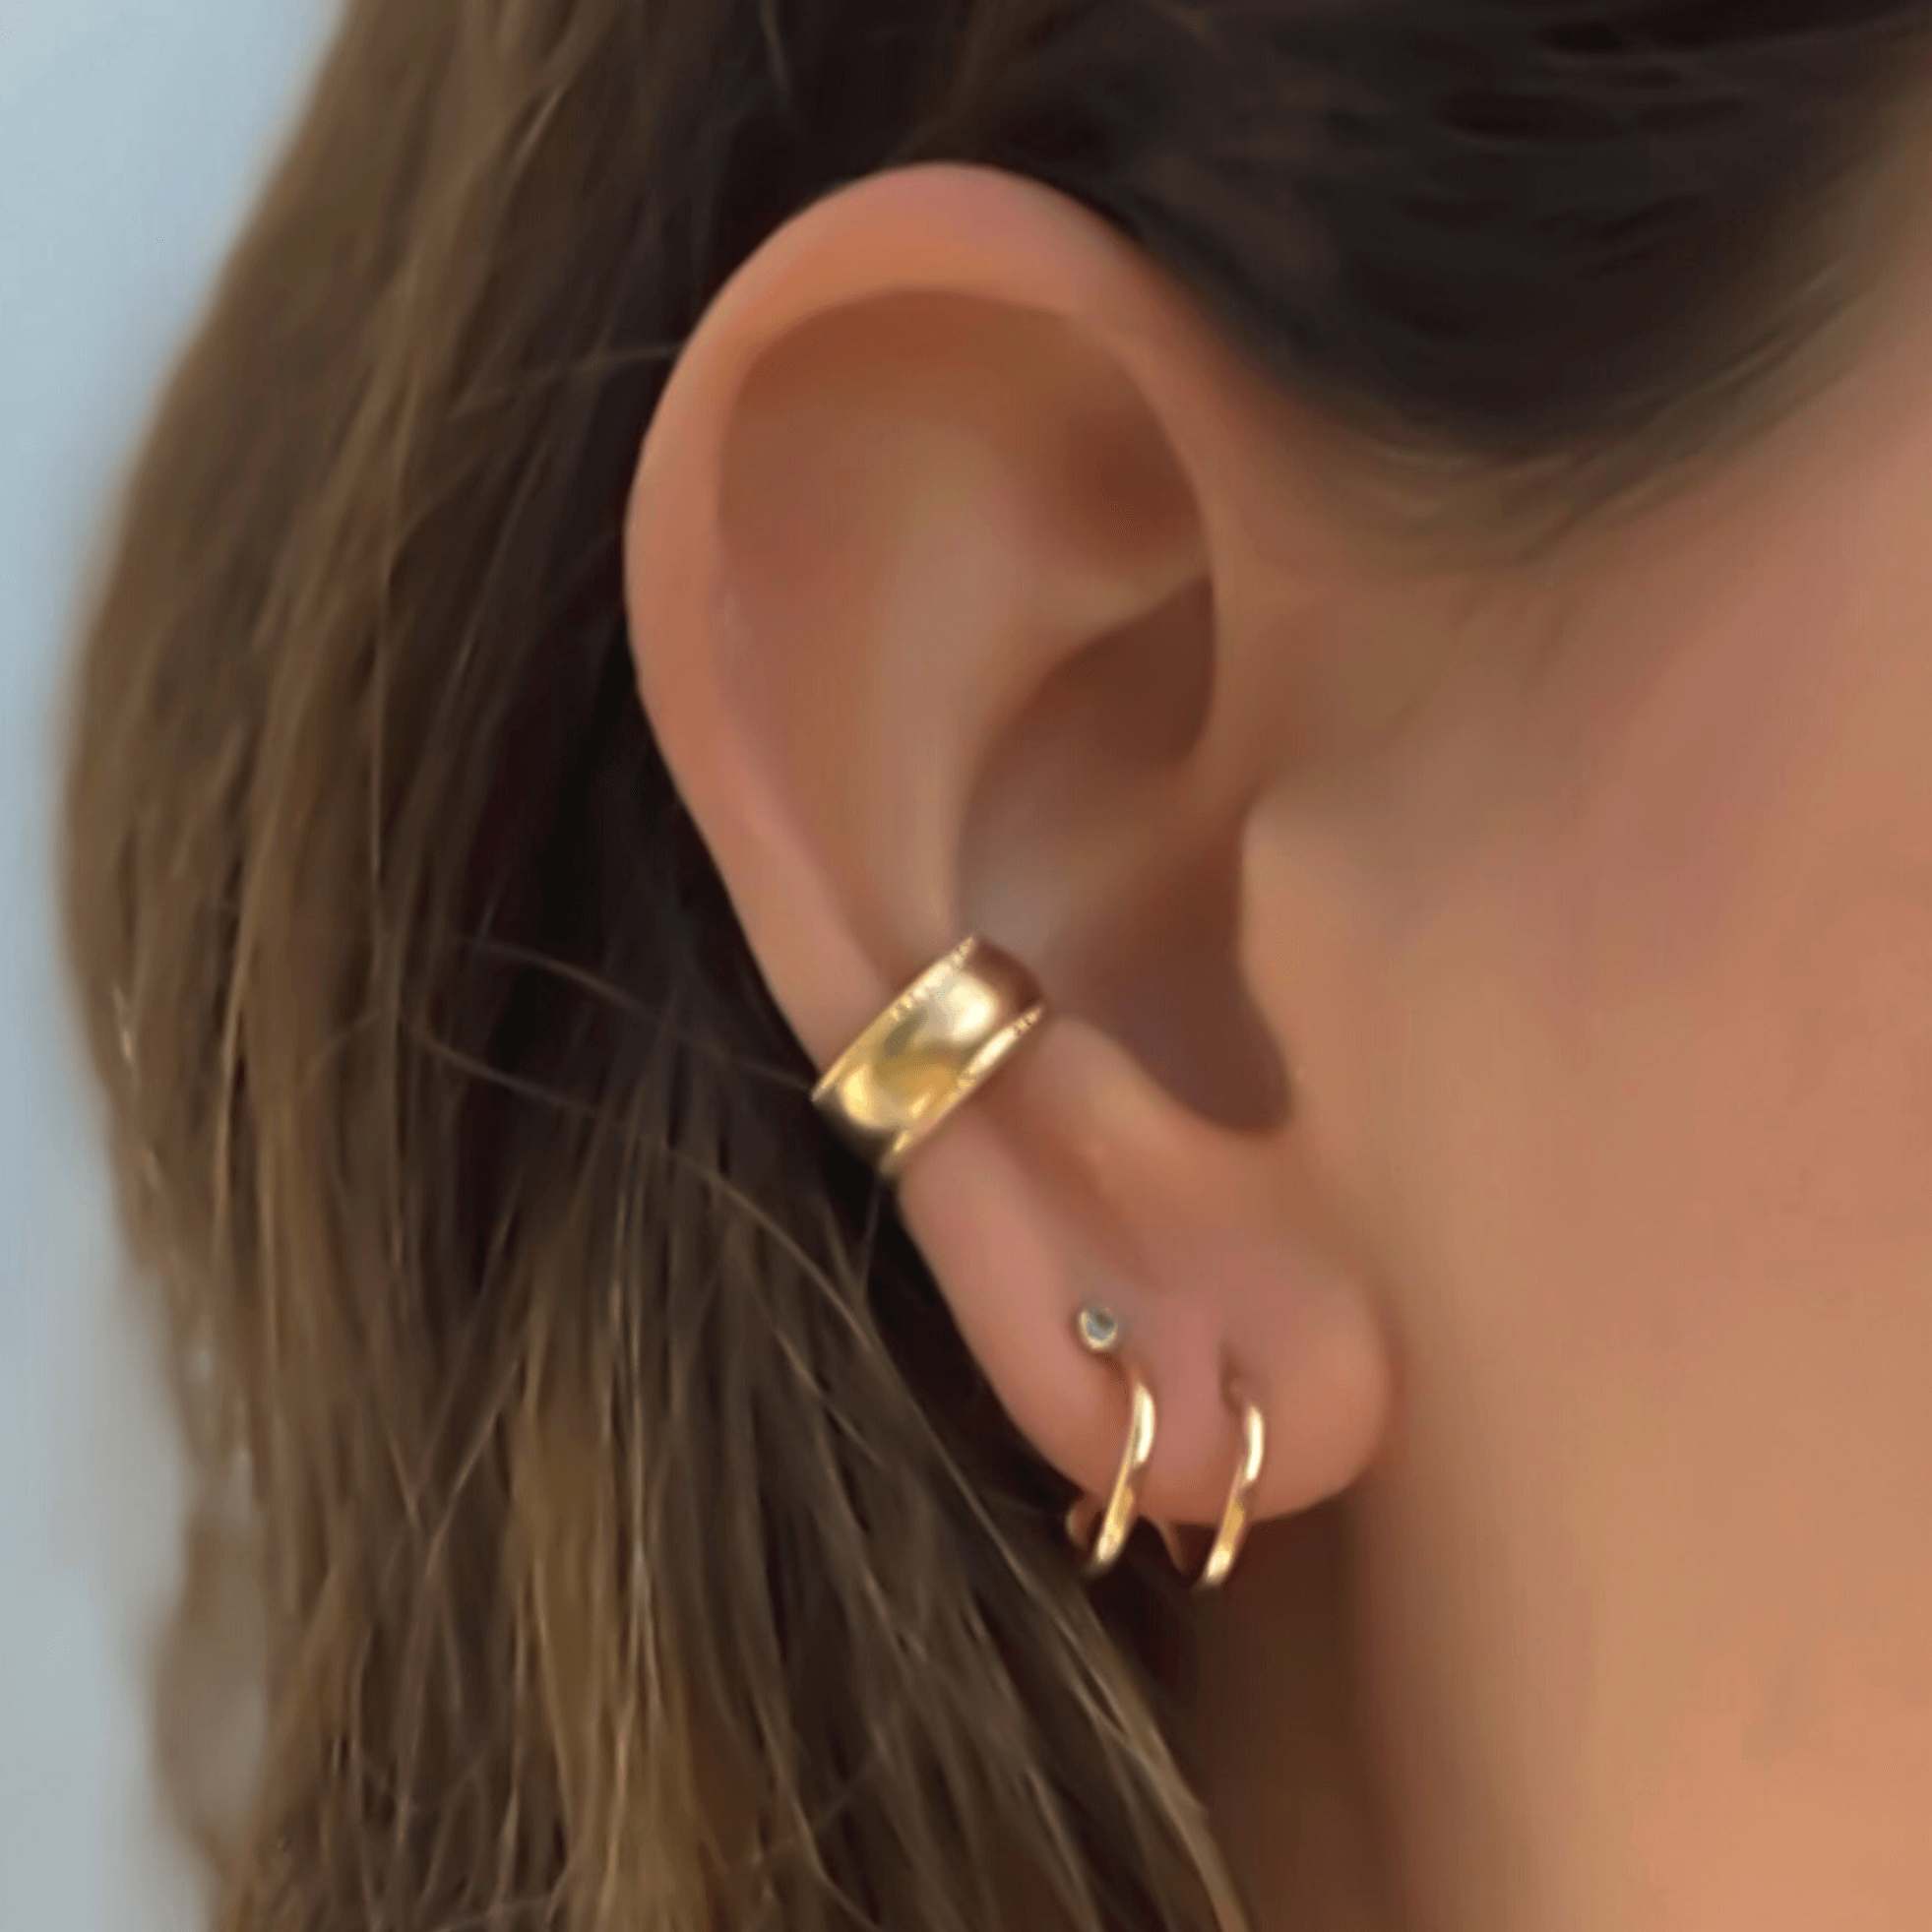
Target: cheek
[
  {"x": 1617, "y": 1048},
  {"x": 1627, "y": 1085},
  {"x": 1664, "y": 1264},
  {"x": 1662, "y": 1107},
  {"x": 1651, "y": 1035}
]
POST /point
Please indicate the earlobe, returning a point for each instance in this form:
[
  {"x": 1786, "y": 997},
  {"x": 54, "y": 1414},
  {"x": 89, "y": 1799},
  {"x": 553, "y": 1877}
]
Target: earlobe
[
  {"x": 932, "y": 627},
  {"x": 1073, "y": 1182},
  {"x": 1068, "y": 1190}
]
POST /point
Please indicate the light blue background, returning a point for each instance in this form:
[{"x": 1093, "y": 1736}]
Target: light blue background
[{"x": 131, "y": 133}]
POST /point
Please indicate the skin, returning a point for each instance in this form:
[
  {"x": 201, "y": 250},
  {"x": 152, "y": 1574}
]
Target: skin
[{"x": 1493, "y": 1021}]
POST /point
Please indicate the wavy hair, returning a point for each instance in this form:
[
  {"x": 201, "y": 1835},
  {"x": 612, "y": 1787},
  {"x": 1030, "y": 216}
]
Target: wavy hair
[{"x": 631, "y": 1539}]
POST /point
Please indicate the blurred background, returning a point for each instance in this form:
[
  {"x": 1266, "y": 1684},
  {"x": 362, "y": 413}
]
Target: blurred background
[{"x": 131, "y": 134}]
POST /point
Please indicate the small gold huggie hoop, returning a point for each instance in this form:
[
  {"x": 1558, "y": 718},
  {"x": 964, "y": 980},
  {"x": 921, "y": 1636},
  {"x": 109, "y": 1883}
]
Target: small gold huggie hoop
[
  {"x": 928, "y": 1052},
  {"x": 1233, "y": 1529},
  {"x": 1099, "y": 1334}
]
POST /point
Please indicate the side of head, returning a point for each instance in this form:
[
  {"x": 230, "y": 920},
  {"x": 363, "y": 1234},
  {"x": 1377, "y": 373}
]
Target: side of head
[{"x": 1369, "y": 546}]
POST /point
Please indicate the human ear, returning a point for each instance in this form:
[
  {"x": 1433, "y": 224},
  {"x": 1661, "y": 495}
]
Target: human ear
[{"x": 942, "y": 588}]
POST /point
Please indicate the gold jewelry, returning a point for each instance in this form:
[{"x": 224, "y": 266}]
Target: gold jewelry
[
  {"x": 1233, "y": 1529},
  {"x": 1098, "y": 1333},
  {"x": 932, "y": 1049}
]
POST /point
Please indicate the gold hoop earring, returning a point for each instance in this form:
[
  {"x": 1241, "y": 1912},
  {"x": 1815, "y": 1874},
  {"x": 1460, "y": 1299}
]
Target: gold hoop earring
[
  {"x": 929, "y": 1053},
  {"x": 1233, "y": 1531},
  {"x": 1098, "y": 1333}
]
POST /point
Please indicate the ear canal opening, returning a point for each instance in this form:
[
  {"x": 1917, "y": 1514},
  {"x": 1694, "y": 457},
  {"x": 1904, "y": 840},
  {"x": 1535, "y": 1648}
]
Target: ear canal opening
[{"x": 1091, "y": 826}]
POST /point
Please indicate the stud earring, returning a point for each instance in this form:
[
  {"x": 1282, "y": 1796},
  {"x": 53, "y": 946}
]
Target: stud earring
[
  {"x": 929, "y": 1053},
  {"x": 1099, "y": 1531}
]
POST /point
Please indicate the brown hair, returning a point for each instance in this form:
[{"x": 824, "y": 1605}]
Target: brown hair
[{"x": 634, "y": 1540}]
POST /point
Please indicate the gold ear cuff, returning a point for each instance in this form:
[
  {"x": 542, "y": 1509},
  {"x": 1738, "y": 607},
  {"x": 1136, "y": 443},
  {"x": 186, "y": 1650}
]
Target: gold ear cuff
[{"x": 929, "y": 1053}]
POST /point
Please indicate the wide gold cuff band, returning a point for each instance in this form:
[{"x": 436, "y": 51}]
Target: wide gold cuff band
[{"x": 928, "y": 1052}]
